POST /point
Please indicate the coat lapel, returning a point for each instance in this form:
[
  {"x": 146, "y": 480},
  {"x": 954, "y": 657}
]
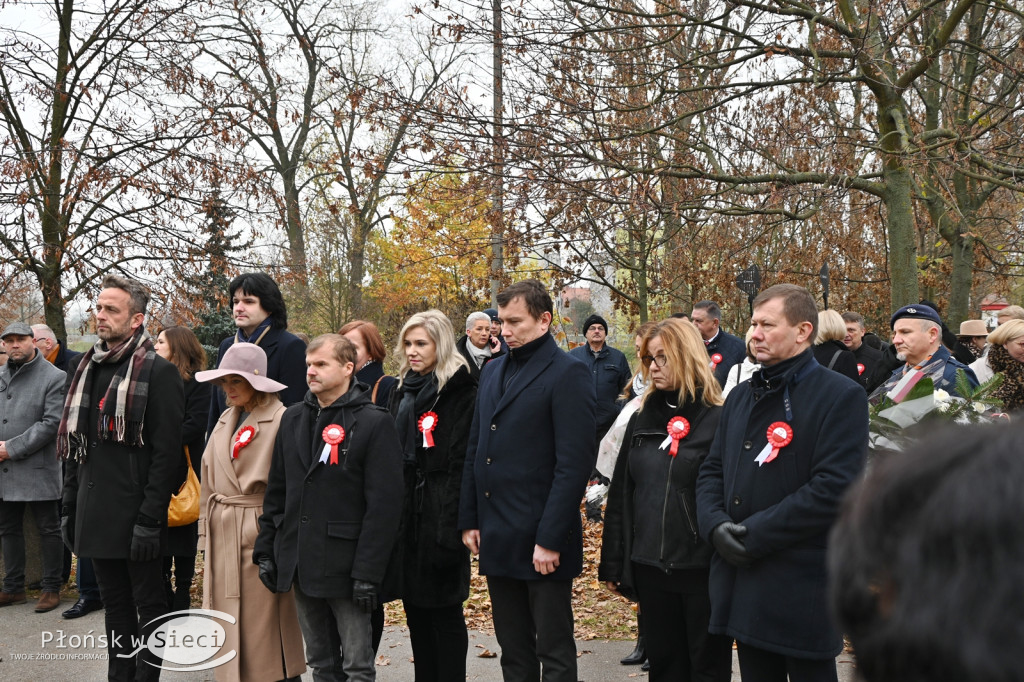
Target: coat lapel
[
  {"x": 533, "y": 369},
  {"x": 224, "y": 433}
]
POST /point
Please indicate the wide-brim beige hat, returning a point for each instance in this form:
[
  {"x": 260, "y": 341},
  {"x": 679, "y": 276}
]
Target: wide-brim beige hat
[
  {"x": 246, "y": 360},
  {"x": 973, "y": 328}
]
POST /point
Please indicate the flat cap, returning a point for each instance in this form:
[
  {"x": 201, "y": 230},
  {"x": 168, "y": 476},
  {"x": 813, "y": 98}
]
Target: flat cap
[
  {"x": 17, "y": 329},
  {"x": 915, "y": 311}
]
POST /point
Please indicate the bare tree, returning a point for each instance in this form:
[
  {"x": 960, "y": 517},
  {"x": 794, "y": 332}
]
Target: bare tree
[{"x": 96, "y": 146}]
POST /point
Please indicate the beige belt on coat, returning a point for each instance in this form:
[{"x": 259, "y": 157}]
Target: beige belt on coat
[{"x": 232, "y": 528}]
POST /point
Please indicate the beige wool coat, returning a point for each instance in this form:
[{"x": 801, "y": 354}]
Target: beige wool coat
[{"x": 266, "y": 635}]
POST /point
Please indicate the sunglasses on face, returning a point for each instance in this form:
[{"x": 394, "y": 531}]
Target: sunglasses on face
[{"x": 660, "y": 360}]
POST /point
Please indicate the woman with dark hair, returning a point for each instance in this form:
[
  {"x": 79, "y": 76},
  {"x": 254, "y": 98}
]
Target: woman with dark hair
[
  {"x": 236, "y": 466},
  {"x": 651, "y": 548},
  {"x": 181, "y": 348},
  {"x": 926, "y": 557},
  {"x": 263, "y": 287},
  {"x": 370, "y": 352},
  {"x": 433, "y": 409},
  {"x": 261, "y": 318}
]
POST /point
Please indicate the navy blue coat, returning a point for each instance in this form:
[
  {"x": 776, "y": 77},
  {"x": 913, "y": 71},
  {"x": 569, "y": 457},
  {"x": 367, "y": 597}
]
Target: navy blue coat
[
  {"x": 731, "y": 348},
  {"x": 286, "y": 363},
  {"x": 531, "y": 450},
  {"x": 610, "y": 371},
  {"x": 788, "y": 505}
]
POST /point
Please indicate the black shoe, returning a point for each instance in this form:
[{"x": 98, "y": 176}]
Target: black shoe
[
  {"x": 639, "y": 654},
  {"x": 82, "y": 607},
  {"x": 646, "y": 667}
]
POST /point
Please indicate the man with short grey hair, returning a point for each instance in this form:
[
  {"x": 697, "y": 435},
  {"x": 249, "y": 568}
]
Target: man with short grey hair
[
  {"x": 55, "y": 350},
  {"x": 917, "y": 339},
  {"x": 31, "y": 398},
  {"x": 477, "y": 345}
]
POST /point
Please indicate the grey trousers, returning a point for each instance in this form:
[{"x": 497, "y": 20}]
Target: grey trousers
[{"x": 353, "y": 629}]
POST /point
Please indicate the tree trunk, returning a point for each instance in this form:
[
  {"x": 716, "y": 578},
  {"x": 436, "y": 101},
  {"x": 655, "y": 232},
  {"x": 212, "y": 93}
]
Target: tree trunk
[
  {"x": 293, "y": 228},
  {"x": 960, "y": 280},
  {"x": 903, "y": 283},
  {"x": 356, "y": 267},
  {"x": 498, "y": 149},
  {"x": 50, "y": 275}
]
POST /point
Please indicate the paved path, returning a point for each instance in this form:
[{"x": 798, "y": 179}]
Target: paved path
[{"x": 22, "y": 634}]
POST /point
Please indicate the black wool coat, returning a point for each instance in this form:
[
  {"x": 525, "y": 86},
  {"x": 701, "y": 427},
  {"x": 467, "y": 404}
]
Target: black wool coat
[
  {"x": 651, "y": 517},
  {"x": 434, "y": 562},
  {"x": 474, "y": 371},
  {"x": 731, "y": 348},
  {"x": 326, "y": 525},
  {"x": 845, "y": 360},
  {"x": 286, "y": 363},
  {"x": 868, "y": 358},
  {"x": 788, "y": 505},
  {"x": 115, "y": 483},
  {"x": 531, "y": 450}
]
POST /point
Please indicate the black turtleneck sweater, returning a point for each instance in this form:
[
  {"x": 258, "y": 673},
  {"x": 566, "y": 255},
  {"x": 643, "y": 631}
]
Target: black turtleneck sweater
[{"x": 518, "y": 357}]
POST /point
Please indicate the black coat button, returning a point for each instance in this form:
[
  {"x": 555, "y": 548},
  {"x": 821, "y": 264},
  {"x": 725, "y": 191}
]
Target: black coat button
[
  {"x": 736, "y": 500},
  {"x": 486, "y": 494},
  {"x": 305, "y": 519},
  {"x": 747, "y": 445}
]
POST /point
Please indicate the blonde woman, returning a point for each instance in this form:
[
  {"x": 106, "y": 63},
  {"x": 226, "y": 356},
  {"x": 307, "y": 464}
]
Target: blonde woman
[
  {"x": 433, "y": 409},
  {"x": 651, "y": 548},
  {"x": 235, "y": 466},
  {"x": 829, "y": 349},
  {"x": 1006, "y": 357}
]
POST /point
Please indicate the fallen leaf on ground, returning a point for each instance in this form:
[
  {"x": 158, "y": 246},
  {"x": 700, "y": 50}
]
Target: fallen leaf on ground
[{"x": 487, "y": 653}]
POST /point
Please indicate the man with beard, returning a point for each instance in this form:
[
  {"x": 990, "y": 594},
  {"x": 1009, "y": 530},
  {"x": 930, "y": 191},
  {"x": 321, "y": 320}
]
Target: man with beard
[{"x": 121, "y": 438}]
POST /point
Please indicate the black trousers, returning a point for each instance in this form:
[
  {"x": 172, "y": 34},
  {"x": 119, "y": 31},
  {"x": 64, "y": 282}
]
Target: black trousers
[
  {"x": 133, "y": 595},
  {"x": 439, "y": 642},
  {"x": 677, "y": 610},
  {"x": 758, "y": 665},
  {"x": 182, "y": 569},
  {"x": 533, "y": 622},
  {"x": 12, "y": 537}
]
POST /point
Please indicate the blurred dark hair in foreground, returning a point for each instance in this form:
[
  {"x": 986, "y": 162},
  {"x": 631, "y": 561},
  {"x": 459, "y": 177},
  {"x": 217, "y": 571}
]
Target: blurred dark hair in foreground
[{"x": 926, "y": 562}]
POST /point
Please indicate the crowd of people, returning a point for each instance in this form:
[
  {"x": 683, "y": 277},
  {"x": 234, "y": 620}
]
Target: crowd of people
[{"x": 328, "y": 488}]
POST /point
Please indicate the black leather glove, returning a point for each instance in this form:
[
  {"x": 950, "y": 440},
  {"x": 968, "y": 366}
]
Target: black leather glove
[
  {"x": 726, "y": 539},
  {"x": 268, "y": 573},
  {"x": 67, "y": 527},
  {"x": 145, "y": 543},
  {"x": 364, "y": 595}
]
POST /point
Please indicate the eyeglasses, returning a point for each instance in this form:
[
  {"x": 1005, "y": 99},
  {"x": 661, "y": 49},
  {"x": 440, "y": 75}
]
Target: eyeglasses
[{"x": 660, "y": 360}]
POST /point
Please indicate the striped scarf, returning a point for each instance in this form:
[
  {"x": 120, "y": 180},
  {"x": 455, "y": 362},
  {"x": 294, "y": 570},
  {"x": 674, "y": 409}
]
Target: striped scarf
[{"x": 123, "y": 406}]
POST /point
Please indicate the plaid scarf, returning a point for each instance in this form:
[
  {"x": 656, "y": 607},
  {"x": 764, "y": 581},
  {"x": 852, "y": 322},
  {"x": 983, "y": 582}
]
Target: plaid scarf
[{"x": 123, "y": 406}]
